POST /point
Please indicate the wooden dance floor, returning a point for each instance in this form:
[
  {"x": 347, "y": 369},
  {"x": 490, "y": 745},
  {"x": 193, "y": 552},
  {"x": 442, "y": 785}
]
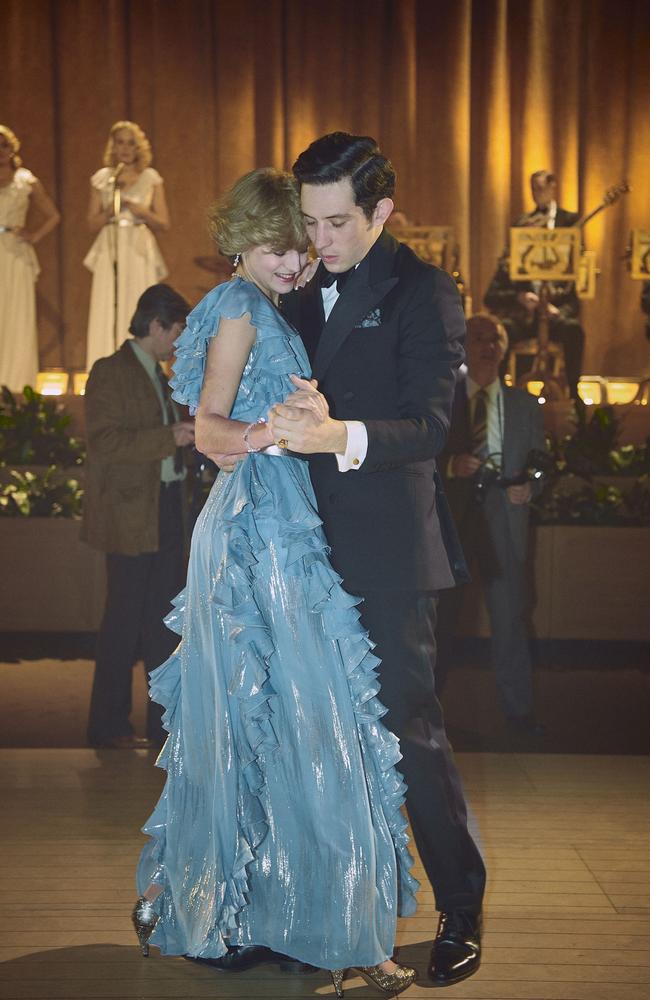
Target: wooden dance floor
[{"x": 566, "y": 839}]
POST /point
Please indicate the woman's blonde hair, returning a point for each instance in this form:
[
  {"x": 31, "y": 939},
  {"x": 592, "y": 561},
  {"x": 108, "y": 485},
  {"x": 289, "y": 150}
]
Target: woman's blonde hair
[
  {"x": 144, "y": 155},
  {"x": 14, "y": 142},
  {"x": 262, "y": 208}
]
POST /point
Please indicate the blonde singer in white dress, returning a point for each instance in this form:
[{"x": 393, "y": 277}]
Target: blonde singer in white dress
[
  {"x": 19, "y": 191},
  {"x": 129, "y": 237}
]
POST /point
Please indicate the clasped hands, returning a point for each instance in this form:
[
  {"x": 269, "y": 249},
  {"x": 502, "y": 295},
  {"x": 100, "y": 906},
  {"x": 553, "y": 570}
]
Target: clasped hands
[{"x": 301, "y": 423}]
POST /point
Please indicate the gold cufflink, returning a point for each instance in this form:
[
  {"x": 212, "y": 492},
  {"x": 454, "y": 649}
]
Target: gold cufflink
[{"x": 355, "y": 461}]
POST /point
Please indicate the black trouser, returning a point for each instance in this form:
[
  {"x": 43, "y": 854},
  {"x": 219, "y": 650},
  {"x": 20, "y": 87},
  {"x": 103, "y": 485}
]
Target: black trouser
[
  {"x": 139, "y": 591},
  {"x": 402, "y": 624},
  {"x": 567, "y": 332},
  {"x": 494, "y": 541}
]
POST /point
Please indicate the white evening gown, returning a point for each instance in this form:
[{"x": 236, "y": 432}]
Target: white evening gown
[
  {"x": 18, "y": 273},
  {"x": 139, "y": 260}
]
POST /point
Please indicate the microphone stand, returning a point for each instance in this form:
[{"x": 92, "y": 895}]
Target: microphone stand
[{"x": 117, "y": 207}]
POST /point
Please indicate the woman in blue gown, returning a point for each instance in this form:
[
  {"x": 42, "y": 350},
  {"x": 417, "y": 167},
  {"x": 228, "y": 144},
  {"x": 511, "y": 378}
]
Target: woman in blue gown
[{"x": 280, "y": 823}]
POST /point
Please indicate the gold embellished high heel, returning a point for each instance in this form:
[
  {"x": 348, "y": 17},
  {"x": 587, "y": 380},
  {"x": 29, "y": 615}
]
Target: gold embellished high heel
[
  {"x": 144, "y": 919},
  {"x": 388, "y": 983}
]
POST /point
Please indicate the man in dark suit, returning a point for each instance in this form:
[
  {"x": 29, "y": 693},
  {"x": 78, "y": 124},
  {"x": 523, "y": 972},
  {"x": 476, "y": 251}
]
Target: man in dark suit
[
  {"x": 516, "y": 303},
  {"x": 493, "y": 428},
  {"x": 384, "y": 332},
  {"x": 133, "y": 511}
]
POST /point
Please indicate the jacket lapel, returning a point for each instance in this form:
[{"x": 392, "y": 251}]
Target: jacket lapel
[
  {"x": 366, "y": 288},
  {"x": 510, "y": 424}
]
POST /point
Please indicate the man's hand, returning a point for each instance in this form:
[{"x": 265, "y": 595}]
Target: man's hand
[
  {"x": 303, "y": 424},
  {"x": 529, "y": 300},
  {"x": 520, "y": 494},
  {"x": 183, "y": 433},
  {"x": 465, "y": 465}
]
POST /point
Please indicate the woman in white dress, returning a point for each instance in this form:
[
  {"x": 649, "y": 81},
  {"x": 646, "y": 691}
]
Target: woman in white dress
[
  {"x": 19, "y": 191},
  {"x": 127, "y": 206}
]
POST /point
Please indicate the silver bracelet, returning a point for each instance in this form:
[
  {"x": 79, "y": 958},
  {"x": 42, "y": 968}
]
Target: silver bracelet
[{"x": 260, "y": 420}]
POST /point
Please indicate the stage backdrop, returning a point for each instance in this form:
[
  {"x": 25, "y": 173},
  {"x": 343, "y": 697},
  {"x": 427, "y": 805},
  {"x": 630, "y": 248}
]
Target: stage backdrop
[{"x": 466, "y": 97}]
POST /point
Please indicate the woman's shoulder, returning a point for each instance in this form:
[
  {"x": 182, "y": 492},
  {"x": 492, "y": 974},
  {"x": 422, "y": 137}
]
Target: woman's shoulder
[
  {"x": 151, "y": 175},
  {"x": 230, "y": 300},
  {"x": 24, "y": 178}
]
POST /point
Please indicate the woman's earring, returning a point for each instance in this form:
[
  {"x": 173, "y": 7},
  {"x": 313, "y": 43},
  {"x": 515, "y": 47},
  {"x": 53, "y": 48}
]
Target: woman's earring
[{"x": 235, "y": 264}]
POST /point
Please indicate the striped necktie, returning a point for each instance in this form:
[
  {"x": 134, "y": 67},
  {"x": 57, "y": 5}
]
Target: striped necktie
[{"x": 479, "y": 424}]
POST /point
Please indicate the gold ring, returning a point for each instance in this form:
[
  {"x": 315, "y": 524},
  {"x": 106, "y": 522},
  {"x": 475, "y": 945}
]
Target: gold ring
[{"x": 283, "y": 443}]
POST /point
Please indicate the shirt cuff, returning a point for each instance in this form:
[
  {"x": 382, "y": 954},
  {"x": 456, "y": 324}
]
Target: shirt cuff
[{"x": 356, "y": 449}]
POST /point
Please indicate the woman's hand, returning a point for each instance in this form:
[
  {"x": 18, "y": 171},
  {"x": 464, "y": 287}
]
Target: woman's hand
[
  {"x": 307, "y": 397},
  {"x": 307, "y": 273}
]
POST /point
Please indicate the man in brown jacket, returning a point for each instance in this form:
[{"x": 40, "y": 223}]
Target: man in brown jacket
[{"x": 133, "y": 510}]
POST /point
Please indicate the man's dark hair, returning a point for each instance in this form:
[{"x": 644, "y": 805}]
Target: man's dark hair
[
  {"x": 338, "y": 155},
  {"x": 159, "y": 302}
]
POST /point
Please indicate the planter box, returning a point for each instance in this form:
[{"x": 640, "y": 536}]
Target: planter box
[
  {"x": 50, "y": 581},
  {"x": 587, "y": 583}
]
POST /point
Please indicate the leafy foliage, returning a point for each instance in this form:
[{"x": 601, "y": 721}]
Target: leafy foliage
[
  {"x": 574, "y": 491},
  {"x": 31, "y": 495},
  {"x": 35, "y": 432}
]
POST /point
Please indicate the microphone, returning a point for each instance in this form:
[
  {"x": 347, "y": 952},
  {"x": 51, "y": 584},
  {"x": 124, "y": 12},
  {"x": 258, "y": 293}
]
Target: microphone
[{"x": 117, "y": 171}]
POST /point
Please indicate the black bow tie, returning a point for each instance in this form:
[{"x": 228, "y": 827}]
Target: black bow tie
[{"x": 329, "y": 277}]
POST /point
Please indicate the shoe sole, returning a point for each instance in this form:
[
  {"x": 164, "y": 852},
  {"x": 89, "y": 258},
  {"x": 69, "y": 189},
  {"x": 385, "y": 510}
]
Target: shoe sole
[{"x": 452, "y": 982}]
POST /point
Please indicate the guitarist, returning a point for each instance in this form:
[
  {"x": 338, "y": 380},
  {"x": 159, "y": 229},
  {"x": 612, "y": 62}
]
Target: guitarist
[{"x": 516, "y": 303}]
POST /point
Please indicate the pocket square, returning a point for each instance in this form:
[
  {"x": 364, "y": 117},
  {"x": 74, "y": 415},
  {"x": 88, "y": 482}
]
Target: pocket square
[{"x": 373, "y": 318}]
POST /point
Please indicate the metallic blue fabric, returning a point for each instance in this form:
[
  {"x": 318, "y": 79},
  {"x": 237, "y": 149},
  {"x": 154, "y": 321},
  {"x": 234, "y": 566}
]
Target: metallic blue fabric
[{"x": 280, "y": 823}]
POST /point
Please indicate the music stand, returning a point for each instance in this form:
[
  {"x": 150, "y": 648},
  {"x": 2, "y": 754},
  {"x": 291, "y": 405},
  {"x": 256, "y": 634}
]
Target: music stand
[{"x": 541, "y": 256}]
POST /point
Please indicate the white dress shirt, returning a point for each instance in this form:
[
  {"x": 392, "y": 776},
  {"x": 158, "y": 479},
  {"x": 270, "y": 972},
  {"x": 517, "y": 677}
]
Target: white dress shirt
[{"x": 357, "y": 444}]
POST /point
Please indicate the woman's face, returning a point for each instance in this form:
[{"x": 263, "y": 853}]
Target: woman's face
[
  {"x": 6, "y": 150},
  {"x": 125, "y": 147},
  {"x": 274, "y": 273}
]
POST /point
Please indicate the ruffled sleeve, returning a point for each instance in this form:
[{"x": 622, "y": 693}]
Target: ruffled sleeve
[
  {"x": 230, "y": 301},
  {"x": 153, "y": 176},
  {"x": 100, "y": 178},
  {"x": 24, "y": 178}
]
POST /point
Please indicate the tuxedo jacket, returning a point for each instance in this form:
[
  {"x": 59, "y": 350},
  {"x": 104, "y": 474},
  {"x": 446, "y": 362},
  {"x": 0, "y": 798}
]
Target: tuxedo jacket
[
  {"x": 388, "y": 355},
  {"x": 522, "y": 430}
]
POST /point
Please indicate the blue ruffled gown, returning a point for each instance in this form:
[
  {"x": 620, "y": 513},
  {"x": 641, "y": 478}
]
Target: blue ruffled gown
[{"x": 280, "y": 821}]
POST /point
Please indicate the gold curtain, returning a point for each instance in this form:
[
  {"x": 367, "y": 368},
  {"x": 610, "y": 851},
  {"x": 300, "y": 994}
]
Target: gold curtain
[{"x": 466, "y": 97}]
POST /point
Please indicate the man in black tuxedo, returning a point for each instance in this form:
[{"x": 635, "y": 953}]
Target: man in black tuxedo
[
  {"x": 384, "y": 332},
  {"x": 516, "y": 302}
]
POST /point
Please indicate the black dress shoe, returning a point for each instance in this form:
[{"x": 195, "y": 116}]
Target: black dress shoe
[
  {"x": 237, "y": 959},
  {"x": 244, "y": 957},
  {"x": 456, "y": 951}
]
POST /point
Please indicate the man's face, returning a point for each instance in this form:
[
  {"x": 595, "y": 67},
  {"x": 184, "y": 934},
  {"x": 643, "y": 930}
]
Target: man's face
[
  {"x": 484, "y": 350},
  {"x": 339, "y": 230},
  {"x": 543, "y": 190},
  {"x": 162, "y": 339}
]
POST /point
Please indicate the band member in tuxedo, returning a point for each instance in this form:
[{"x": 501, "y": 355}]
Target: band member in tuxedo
[
  {"x": 516, "y": 303},
  {"x": 384, "y": 332},
  {"x": 493, "y": 431}
]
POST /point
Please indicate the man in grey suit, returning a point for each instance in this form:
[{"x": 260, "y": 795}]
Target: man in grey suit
[{"x": 493, "y": 429}]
